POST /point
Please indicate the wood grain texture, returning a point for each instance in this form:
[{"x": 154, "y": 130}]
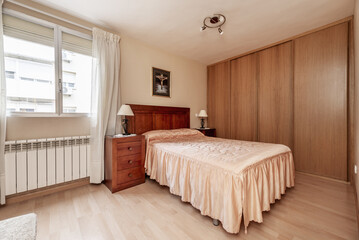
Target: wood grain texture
[
  {"x": 147, "y": 118},
  {"x": 218, "y": 99},
  {"x": 347, "y": 19},
  {"x": 130, "y": 147},
  {"x": 129, "y": 161},
  {"x": 314, "y": 209},
  {"x": 320, "y": 102},
  {"x": 351, "y": 105},
  {"x": 275, "y": 95},
  {"x": 244, "y": 98},
  {"x": 124, "y": 162},
  {"x": 162, "y": 121},
  {"x": 356, "y": 202}
]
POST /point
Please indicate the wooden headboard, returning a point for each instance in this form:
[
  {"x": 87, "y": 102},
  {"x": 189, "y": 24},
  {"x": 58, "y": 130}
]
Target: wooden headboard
[{"x": 149, "y": 118}]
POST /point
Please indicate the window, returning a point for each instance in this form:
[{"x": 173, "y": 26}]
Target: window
[
  {"x": 27, "y": 79},
  {"x": 9, "y": 74},
  {"x": 43, "y": 81},
  {"x": 76, "y": 73},
  {"x": 47, "y": 68}
]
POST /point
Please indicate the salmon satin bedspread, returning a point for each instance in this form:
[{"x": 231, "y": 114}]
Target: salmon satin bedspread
[{"x": 223, "y": 178}]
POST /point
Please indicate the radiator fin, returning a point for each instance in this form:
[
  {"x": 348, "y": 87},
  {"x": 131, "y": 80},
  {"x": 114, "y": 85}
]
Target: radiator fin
[{"x": 36, "y": 163}]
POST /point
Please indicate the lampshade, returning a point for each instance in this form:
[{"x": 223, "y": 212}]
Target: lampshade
[
  {"x": 202, "y": 114},
  {"x": 125, "y": 110}
]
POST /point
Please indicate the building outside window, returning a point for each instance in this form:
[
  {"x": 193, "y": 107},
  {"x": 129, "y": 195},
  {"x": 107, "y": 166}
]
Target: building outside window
[{"x": 44, "y": 73}]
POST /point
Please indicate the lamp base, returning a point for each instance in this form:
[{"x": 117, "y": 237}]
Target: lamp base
[
  {"x": 125, "y": 125},
  {"x": 202, "y": 123}
]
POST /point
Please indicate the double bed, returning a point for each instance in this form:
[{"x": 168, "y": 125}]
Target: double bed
[{"x": 225, "y": 179}]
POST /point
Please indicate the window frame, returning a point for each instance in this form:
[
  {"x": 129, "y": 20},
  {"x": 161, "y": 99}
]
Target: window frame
[{"x": 58, "y": 30}]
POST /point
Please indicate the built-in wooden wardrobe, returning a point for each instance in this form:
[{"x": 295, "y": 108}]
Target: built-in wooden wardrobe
[
  {"x": 293, "y": 93},
  {"x": 218, "y": 79}
]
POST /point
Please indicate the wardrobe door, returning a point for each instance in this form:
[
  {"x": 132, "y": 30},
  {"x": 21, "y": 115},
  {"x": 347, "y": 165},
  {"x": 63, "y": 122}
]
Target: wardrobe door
[
  {"x": 320, "y": 102},
  {"x": 244, "y": 98},
  {"x": 218, "y": 98},
  {"x": 275, "y": 95}
]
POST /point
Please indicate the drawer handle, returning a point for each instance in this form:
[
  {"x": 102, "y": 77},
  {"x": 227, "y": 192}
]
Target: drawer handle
[
  {"x": 130, "y": 162},
  {"x": 130, "y": 174},
  {"x": 130, "y": 148}
]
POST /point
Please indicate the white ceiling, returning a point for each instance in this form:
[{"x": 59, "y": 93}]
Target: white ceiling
[{"x": 173, "y": 25}]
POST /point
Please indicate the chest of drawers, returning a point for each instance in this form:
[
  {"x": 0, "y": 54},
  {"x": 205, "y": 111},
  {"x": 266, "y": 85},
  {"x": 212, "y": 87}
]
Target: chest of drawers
[
  {"x": 124, "y": 162},
  {"x": 209, "y": 132}
]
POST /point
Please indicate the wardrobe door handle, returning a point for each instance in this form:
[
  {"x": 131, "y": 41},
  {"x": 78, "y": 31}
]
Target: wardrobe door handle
[
  {"x": 130, "y": 148},
  {"x": 130, "y": 174},
  {"x": 130, "y": 162}
]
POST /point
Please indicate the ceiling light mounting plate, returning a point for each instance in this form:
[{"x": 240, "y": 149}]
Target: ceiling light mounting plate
[{"x": 215, "y": 21}]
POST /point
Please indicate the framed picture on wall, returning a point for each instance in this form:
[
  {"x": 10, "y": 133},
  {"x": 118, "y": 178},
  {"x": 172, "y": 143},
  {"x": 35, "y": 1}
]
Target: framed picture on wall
[{"x": 161, "y": 82}]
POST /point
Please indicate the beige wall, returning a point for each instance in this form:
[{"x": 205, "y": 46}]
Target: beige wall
[
  {"x": 188, "y": 90},
  {"x": 356, "y": 101},
  {"x": 188, "y": 84},
  {"x": 32, "y": 128}
]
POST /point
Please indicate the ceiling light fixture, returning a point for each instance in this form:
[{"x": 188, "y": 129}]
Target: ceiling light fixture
[
  {"x": 220, "y": 31},
  {"x": 215, "y": 21}
]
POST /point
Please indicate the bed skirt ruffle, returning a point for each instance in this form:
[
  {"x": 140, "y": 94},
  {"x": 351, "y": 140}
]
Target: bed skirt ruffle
[{"x": 219, "y": 193}]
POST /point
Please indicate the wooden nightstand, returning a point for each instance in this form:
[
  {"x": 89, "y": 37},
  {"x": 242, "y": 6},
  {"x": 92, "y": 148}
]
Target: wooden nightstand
[
  {"x": 124, "y": 162},
  {"x": 210, "y": 132}
]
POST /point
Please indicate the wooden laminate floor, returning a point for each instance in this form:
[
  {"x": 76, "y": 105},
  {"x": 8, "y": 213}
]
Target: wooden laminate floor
[{"x": 315, "y": 209}]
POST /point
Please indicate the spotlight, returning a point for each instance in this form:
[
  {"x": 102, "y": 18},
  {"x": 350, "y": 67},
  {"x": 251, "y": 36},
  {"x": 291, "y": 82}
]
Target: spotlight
[
  {"x": 203, "y": 28},
  {"x": 220, "y": 31}
]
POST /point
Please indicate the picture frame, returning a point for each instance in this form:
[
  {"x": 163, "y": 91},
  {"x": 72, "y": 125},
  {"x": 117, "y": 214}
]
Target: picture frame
[{"x": 161, "y": 82}]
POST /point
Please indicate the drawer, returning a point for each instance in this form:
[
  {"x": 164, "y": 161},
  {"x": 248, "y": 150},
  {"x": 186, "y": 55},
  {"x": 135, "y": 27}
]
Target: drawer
[
  {"x": 128, "y": 148},
  {"x": 130, "y": 175},
  {"x": 129, "y": 161}
]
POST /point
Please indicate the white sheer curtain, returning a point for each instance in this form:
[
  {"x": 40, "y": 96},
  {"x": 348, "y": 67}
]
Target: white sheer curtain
[
  {"x": 2, "y": 113},
  {"x": 105, "y": 95}
]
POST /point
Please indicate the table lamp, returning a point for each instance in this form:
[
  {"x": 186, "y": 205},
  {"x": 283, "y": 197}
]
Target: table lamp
[
  {"x": 125, "y": 110},
  {"x": 202, "y": 114}
]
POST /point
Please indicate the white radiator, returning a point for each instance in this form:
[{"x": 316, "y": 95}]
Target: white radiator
[{"x": 37, "y": 163}]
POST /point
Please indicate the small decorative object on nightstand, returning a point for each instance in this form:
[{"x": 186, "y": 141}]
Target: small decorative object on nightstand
[
  {"x": 125, "y": 110},
  {"x": 202, "y": 114},
  {"x": 209, "y": 132},
  {"x": 124, "y": 162}
]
